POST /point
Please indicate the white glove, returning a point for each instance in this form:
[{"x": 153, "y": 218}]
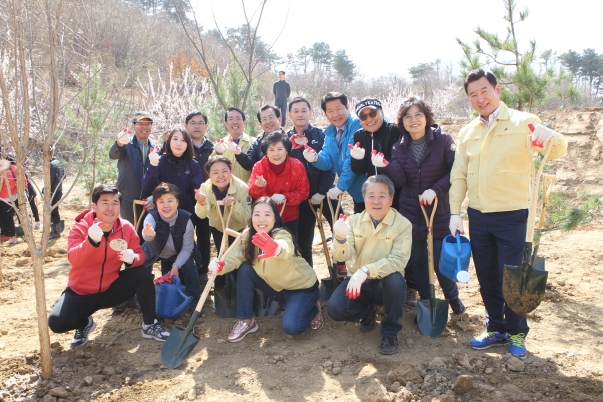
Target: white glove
[
  {"x": 216, "y": 265},
  {"x": 154, "y": 157},
  {"x": 355, "y": 283},
  {"x": 356, "y": 152},
  {"x": 341, "y": 227},
  {"x": 541, "y": 135},
  {"x": 233, "y": 146},
  {"x": 219, "y": 146},
  {"x": 334, "y": 193},
  {"x": 427, "y": 197},
  {"x": 378, "y": 159},
  {"x": 149, "y": 203},
  {"x": 310, "y": 154},
  {"x": 456, "y": 223},
  {"x": 127, "y": 256},
  {"x": 95, "y": 233},
  {"x": 123, "y": 137},
  {"x": 278, "y": 198},
  {"x": 316, "y": 199}
]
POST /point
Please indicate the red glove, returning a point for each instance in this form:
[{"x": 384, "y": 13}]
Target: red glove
[
  {"x": 269, "y": 247},
  {"x": 167, "y": 278},
  {"x": 298, "y": 141},
  {"x": 378, "y": 159},
  {"x": 535, "y": 141}
]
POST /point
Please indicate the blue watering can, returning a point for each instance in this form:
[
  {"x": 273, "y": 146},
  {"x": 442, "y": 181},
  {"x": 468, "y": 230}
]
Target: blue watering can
[
  {"x": 170, "y": 299},
  {"x": 454, "y": 260}
]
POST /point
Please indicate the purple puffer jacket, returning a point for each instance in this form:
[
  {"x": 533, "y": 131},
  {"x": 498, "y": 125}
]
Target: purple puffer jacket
[{"x": 432, "y": 173}]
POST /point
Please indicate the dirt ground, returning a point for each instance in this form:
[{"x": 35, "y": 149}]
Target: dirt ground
[{"x": 565, "y": 360}]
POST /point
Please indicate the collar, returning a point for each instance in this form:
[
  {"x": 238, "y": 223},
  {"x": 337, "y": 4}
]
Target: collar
[
  {"x": 492, "y": 116},
  {"x": 202, "y": 144},
  {"x": 388, "y": 219}
]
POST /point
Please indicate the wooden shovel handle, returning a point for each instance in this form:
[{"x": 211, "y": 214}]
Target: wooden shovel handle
[
  {"x": 323, "y": 238},
  {"x": 429, "y": 223}
]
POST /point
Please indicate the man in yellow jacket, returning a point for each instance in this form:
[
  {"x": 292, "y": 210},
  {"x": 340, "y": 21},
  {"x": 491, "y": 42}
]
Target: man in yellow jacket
[
  {"x": 234, "y": 120},
  {"x": 493, "y": 164},
  {"x": 376, "y": 244}
]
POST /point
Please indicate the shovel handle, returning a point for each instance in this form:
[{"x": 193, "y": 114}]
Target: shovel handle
[
  {"x": 429, "y": 223},
  {"x": 323, "y": 238},
  {"x": 283, "y": 207}
]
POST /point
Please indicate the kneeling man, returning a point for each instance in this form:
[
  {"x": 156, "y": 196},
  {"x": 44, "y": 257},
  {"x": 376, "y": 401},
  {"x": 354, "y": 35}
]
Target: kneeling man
[
  {"x": 377, "y": 244},
  {"x": 95, "y": 280}
]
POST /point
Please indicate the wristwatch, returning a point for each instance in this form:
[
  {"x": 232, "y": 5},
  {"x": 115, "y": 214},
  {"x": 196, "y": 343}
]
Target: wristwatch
[{"x": 365, "y": 270}]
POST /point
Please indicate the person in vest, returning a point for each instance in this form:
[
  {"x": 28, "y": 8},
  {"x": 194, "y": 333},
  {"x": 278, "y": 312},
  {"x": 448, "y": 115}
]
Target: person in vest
[
  {"x": 169, "y": 237},
  {"x": 268, "y": 259}
]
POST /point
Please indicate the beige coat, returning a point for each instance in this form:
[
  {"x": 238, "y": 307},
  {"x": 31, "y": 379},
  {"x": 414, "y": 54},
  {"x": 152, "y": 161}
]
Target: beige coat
[
  {"x": 237, "y": 170},
  {"x": 241, "y": 210}
]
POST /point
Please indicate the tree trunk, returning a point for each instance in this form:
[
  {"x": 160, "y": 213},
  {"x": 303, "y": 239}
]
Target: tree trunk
[{"x": 41, "y": 312}]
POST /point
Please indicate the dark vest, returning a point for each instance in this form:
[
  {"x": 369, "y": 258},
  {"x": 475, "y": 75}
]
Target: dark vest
[{"x": 152, "y": 249}]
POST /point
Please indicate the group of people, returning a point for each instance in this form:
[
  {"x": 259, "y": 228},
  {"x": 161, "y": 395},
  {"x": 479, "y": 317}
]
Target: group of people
[{"x": 265, "y": 189}]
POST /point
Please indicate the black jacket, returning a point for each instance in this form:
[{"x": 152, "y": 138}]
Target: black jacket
[
  {"x": 253, "y": 155},
  {"x": 320, "y": 180},
  {"x": 202, "y": 154},
  {"x": 382, "y": 140}
]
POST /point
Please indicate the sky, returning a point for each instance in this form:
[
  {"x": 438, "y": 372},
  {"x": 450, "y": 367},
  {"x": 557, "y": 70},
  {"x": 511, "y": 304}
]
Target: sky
[{"x": 390, "y": 36}]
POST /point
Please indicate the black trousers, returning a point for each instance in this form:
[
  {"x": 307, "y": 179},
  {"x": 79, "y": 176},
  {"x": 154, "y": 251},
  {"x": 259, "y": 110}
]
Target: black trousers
[
  {"x": 71, "y": 311},
  {"x": 55, "y": 216},
  {"x": 7, "y": 223},
  {"x": 307, "y": 223},
  {"x": 203, "y": 235}
]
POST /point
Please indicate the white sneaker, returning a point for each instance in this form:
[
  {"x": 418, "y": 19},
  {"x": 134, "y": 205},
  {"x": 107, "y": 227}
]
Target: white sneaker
[
  {"x": 155, "y": 331},
  {"x": 13, "y": 240},
  {"x": 37, "y": 225}
]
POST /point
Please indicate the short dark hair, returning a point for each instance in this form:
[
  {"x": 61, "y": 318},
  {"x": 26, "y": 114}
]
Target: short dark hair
[
  {"x": 274, "y": 138},
  {"x": 479, "y": 74},
  {"x": 380, "y": 179},
  {"x": 277, "y": 112},
  {"x": 281, "y": 72},
  {"x": 166, "y": 188},
  {"x": 193, "y": 114},
  {"x": 407, "y": 103},
  {"x": 188, "y": 153},
  {"x": 299, "y": 99},
  {"x": 104, "y": 189},
  {"x": 331, "y": 96},
  {"x": 215, "y": 159},
  {"x": 233, "y": 109}
]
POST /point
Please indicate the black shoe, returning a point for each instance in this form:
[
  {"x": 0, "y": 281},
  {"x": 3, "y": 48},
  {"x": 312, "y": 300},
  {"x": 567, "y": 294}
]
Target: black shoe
[
  {"x": 457, "y": 306},
  {"x": 389, "y": 345},
  {"x": 80, "y": 338},
  {"x": 203, "y": 279},
  {"x": 120, "y": 308},
  {"x": 368, "y": 323}
]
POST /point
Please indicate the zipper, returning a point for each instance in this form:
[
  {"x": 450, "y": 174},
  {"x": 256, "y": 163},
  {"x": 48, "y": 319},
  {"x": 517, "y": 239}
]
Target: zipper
[
  {"x": 100, "y": 285},
  {"x": 372, "y": 148}
]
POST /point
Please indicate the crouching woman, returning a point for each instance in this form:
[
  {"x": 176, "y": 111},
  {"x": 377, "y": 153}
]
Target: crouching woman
[
  {"x": 168, "y": 234},
  {"x": 278, "y": 272}
]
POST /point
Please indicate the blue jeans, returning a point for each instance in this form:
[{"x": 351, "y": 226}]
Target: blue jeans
[
  {"x": 498, "y": 238},
  {"x": 419, "y": 263},
  {"x": 301, "y": 305},
  {"x": 188, "y": 276},
  {"x": 389, "y": 292}
]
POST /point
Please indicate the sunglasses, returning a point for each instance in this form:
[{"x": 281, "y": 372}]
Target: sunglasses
[{"x": 370, "y": 114}]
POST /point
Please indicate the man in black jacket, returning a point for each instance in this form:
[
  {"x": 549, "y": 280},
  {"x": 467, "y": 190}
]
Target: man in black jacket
[
  {"x": 196, "y": 126},
  {"x": 300, "y": 113},
  {"x": 269, "y": 118},
  {"x": 281, "y": 90}
]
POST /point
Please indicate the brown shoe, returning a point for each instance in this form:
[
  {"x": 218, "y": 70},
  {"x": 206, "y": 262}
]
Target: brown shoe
[
  {"x": 241, "y": 329},
  {"x": 317, "y": 321}
]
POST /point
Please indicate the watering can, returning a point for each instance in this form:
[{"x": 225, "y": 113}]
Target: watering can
[
  {"x": 170, "y": 299},
  {"x": 454, "y": 260}
]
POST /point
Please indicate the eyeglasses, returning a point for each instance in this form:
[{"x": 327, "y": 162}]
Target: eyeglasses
[
  {"x": 417, "y": 116},
  {"x": 234, "y": 119},
  {"x": 196, "y": 123},
  {"x": 370, "y": 114}
]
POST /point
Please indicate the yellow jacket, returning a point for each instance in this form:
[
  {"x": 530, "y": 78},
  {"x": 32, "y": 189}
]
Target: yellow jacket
[
  {"x": 384, "y": 249},
  {"x": 241, "y": 211},
  {"x": 237, "y": 170},
  {"x": 493, "y": 165},
  {"x": 285, "y": 271}
]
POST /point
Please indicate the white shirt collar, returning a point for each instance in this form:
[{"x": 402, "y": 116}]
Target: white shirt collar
[{"x": 492, "y": 116}]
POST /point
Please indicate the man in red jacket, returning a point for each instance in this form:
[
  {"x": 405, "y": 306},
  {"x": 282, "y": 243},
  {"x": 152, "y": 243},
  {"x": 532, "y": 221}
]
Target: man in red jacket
[{"x": 98, "y": 244}]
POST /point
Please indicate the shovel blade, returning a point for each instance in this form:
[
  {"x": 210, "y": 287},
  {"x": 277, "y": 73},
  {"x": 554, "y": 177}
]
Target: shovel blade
[
  {"x": 524, "y": 286},
  {"x": 178, "y": 347},
  {"x": 225, "y": 299},
  {"x": 328, "y": 285},
  {"x": 432, "y": 317},
  {"x": 264, "y": 306}
]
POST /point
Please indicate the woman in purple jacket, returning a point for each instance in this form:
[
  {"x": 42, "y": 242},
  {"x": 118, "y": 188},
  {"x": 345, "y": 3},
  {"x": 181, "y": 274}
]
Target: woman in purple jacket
[
  {"x": 420, "y": 165},
  {"x": 177, "y": 166}
]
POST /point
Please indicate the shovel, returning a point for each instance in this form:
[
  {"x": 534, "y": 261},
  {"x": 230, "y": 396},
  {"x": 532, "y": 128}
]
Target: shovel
[
  {"x": 225, "y": 298},
  {"x": 524, "y": 286},
  {"x": 181, "y": 342},
  {"x": 328, "y": 285},
  {"x": 432, "y": 314},
  {"x": 548, "y": 181}
]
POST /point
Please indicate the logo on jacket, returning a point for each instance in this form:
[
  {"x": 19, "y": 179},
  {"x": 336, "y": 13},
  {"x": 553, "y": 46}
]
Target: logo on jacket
[
  {"x": 314, "y": 142},
  {"x": 187, "y": 172}
]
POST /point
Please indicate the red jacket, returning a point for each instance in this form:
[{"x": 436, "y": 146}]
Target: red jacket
[
  {"x": 292, "y": 183},
  {"x": 95, "y": 268},
  {"x": 11, "y": 180}
]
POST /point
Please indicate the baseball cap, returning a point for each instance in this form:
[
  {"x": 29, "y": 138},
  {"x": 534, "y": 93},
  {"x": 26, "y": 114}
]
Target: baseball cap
[
  {"x": 368, "y": 102},
  {"x": 141, "y": 115}
]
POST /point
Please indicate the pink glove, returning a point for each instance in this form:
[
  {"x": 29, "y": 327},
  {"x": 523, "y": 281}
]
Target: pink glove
[
  {"x": 220, "y": 147},
  {"x": 310, "y": 154},
  {"x": 163, "y": 279},
  {"x": 355, "y": 284},
  {"x": 378, "y": 159},
  {"x": 356, "y": 152},
  {"x": 216, "y": 265},
  {"x": 233, "y": 146},
  {"x": 298, "y": 141},
  {"x": 269, "y": 247}
]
